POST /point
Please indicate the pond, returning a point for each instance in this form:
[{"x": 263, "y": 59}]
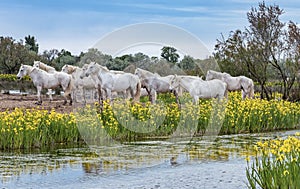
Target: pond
[{"x": 199, "y": 163}]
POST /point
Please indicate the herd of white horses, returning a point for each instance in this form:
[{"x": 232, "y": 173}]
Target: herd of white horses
[{"x": 106, "y": 83}]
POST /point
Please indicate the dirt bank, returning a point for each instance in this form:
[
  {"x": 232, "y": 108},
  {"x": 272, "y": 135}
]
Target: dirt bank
[{"x": 11, "y": 101}]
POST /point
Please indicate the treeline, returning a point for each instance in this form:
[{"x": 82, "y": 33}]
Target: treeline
[{"x": 14, "y": 53}]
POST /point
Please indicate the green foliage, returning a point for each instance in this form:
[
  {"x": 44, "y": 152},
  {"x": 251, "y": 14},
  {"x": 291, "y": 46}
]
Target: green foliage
[
  {"x": 30, "y": 43},
  {"x": 13, "y": 54},
  {"x": 94, "y": 55},
  {"x": 64, "y": 57},
  {"x": 12, "y": 77},
  {"x": 187, "y": 63},
  {"x": 170, "y": 54},
  {"x": 118, "y": 64}
]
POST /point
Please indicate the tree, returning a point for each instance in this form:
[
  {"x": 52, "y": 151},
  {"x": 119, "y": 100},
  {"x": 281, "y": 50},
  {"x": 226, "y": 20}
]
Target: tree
[
  {"x": 30, "y": 43},
  {"x": 64, "y": 57},
  {"x": 293, "y": 57},
  {"x": 50, "y": 55},
  {"x": 259, "y": 50},
  {"x": 169, "y": 53},
  {"x": 187, "y": 63},
  {"x": 13, "y": 54},
  {"x": 117, "y": 64},
  {"x": 94, "y": 55}
]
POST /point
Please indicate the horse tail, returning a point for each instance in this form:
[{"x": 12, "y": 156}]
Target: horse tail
[
  {"x": 138, "y": 91},
  {"x": 70, "y": 84}
]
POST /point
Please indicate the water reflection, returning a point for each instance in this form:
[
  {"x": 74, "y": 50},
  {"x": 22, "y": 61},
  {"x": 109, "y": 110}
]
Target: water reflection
[{"x": 120, "y": 158}]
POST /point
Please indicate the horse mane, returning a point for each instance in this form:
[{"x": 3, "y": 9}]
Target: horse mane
[
  {"x": 156, "y": 75},
  {"x": 226, "y": 74},
  {"x": 214, "y": 72},
  {"x": 45, "y": 66},
  {"x": 31, "y": 69},
  {"x": 146, "y": 72},
  {"x": 71, "y": 68},
  {"x": 103, "y": 68}
]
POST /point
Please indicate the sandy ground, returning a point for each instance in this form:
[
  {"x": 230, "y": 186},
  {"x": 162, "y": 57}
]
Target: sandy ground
[{"x": 11, "y": 101}]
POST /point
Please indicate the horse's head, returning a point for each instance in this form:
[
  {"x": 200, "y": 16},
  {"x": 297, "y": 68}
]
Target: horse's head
[
  {"x": 88, "y": 69},
  {"x": 36, "y": 64},
  {"x": 22, "y": 72},
  {"x": 209, "y": 75},
  {"x": 136, "y": 72},
  {"x": 65, "y": 68},
  {"x": 83, "y": 71},
  {"x": 174, "y": 82}
]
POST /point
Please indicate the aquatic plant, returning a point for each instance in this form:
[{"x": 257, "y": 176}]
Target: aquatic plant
[{"x": 276, "y": 164}]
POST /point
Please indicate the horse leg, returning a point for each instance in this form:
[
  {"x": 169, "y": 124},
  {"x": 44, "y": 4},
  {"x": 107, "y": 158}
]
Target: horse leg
[
  {"x": 131, "y": 93},
  {"x": 70, "y": 98},
  {"x": 100, "y": 96},
  {"x": 39, "y": 89},
  {"x": 195, "y": 99},
  {"x": 243, "y": 94},
  {"x": 67, "y": 95},
  {"x": 67, "y": 88},
  {"x": 108, "y": 93},
  {"x": 149, "y": 94},
  {"x": 152, "y": 96},
  {"x": 176, "y": 95},
  {"x": 65, "y": 99},
  {"x": 50, "y": 94},
  {"x": 83, "y": 94}
]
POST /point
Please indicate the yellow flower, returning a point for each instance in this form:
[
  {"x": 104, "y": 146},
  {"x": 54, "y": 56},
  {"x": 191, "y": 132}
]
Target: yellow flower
[
  {"x": 247, "y": 158},
  {"x": 285, "y": 172}
]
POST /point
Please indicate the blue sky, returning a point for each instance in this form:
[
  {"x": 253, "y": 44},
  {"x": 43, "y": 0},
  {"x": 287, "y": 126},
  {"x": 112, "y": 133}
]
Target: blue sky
[{"x": 77, "y": 25}]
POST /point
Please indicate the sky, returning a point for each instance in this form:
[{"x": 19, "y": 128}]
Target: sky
[{"x": 77, "y": 25}]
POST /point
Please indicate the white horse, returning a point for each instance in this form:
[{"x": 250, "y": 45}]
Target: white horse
[
  {"x": 42, "y": 79},
  {"x": 158, "y": 84},
  {"x": 234, "y": 83},
  {"x": 49, "y": 69},
  {"x": 199, "y": 88},
  {"x": 81, "y": 85},
  {"x": 114, "y": 82},
  {"x": 154, "y": 83},
  {"x": 101, "y": 93}
]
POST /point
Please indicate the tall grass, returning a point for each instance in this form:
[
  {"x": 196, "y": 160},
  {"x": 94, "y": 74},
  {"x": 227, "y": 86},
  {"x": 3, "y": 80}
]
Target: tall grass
[
  {"x": 276, "y": 164},
  {"x": 27, "y": 128}
]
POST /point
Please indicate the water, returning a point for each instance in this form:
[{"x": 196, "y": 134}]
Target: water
[{"x": 200, "y": 164}]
